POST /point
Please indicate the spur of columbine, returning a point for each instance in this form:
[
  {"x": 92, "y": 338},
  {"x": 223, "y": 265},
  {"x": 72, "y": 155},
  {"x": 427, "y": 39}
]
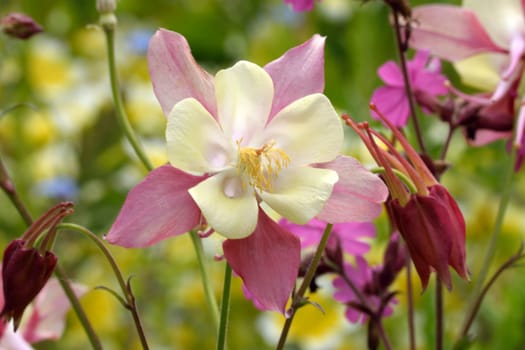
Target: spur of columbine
[
  {"x": 427, "y": 216},
  {"x": 246, "y": 136}
]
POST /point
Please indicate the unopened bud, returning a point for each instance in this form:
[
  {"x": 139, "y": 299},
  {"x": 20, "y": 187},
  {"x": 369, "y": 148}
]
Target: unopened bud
[
  {"x": 106, "y": 6},
  {"x": 19, "y": 26}
]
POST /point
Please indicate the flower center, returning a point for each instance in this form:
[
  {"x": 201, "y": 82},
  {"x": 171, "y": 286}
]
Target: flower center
[{"x": 262, "y": 164}]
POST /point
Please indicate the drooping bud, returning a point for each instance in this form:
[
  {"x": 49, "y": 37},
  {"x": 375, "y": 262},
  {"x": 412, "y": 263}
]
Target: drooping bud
[
  {"x": 19, "y": 26},
  {"x": 27, "y": 263},
  {"x": 24, "y": 272},
  {"x": 434, "y": 231}
]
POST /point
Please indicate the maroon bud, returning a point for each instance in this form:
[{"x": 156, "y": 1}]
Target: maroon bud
[
  {"x": 24, "y": 272},
  {"x": 434, "y": 231},
  {"x": 19, "y": 26}
]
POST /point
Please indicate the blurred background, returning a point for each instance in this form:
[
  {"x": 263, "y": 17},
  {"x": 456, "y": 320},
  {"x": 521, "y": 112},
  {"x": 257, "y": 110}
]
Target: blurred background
[{"x": 61, "y": 141}]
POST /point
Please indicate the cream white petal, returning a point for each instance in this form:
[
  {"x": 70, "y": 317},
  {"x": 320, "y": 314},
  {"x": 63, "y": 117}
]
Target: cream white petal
[
  {"x": 227, "y": 205},
  {"x": 308, "y": 130},
  {"x": 502, "y": 19},
  {"x": 244, "y": 99},
  {"x": 300, "y": 193},
  {"x": 195, "y": 141}
]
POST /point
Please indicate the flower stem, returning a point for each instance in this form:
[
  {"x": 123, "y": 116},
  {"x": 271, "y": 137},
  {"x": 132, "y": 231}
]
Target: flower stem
[
  {"x": 298, "y": 298},
  {"x": 489, "y": 254},
  {"x": 406, "y": 80},
  {"x": 410, "y": 303},
  {"x": 225, "y": 308},
  {"x": 9, "y": 188},
  {"x": 208, "y": 290},
  {"x": 125, "y": 287},
  {"x": 77, "y": 307},
  {"x": 439, "y": 314},
  {"x": 119, "y": 106}
]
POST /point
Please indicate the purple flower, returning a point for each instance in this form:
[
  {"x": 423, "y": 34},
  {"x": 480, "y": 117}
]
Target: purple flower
[
  {"x": 361, "y": 275},
  {"x": 426, "y": 81},
  {"x": 301, "y": 5},
  {"x": 349, "y": 235}
]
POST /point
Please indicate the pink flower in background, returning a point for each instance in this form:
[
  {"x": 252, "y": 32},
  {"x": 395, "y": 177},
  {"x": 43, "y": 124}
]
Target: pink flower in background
[
  {"x": 426, "y": 81},
  {"x": 360, "y": 275},
  {"x": 301, "y": 5},
  {"x": 247, "y": 135},
  {"x": 493, "y": 28},
  {"x": 44, "y": 321},
  {"x": 351, "y": 235}
]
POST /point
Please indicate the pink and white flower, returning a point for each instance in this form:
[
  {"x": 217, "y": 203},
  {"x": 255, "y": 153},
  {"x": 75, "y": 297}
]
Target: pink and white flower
[
  {"x": 245, "y": 136},
  {"x": 45, "y": 319}
]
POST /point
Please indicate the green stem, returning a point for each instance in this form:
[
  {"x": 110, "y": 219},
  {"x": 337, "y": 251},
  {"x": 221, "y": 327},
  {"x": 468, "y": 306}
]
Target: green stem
[
  {"x": 119, "y": 106},
  {"x": 298, "y": 298},
  {"x": 401, "y": 176},
  {"x": 77, "y": 307},
  {"x": 489, "y": 254},
  {"x": 9, "y": 189},
  {"x": 410, "y": 307},
  {"x": 126, "y": 289},
  {"x": 208, "y": 290},
  {"x": 439, "y": 314},
  {"x": 225, "y": 308}
]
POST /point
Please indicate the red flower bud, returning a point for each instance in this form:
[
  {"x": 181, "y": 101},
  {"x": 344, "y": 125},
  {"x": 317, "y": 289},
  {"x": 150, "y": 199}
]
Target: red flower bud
[
  {"x": 24, "y": 272},
  {"x": 19, "y": 26},
  {"x": 434, "y": 231}
]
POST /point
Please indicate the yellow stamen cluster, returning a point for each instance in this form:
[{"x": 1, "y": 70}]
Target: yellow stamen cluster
[{"x": 262, "y": 164}]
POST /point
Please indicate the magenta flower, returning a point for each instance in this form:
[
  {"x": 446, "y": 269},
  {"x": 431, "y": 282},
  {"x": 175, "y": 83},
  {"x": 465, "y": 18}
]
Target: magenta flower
[
  {"x": 44, "y": 321},
  {"x": 361, "y": 275},
  {"x": 349, "y": 235},
  {"x": 247, "y": 135},
  {"x": 301, "y": 5},
  {"x": 426, "y": 82}
]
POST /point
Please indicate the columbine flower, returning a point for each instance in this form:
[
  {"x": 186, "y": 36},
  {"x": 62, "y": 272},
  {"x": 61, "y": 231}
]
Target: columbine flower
[
  {"x": 426, "y": 82},
  {"x": 244, "y": 136},
  {"x": 480, "y": 27},
  {"x": 360, "y": 275},
  {"x": 27, "y": 263},
  {"x": 45, "y": 320},
  {"x": 301, "y": 5},
  {"x": 19, "y": 26},
  {"x": 428, "y": 218}
]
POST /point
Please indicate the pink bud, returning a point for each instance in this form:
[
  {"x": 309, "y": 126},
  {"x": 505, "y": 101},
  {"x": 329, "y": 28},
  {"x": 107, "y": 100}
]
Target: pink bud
[{"x": 19, "y": 26}]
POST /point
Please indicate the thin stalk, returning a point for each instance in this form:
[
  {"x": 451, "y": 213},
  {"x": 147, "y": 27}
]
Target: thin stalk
[
  {"x": 119, "y": 106},
  {"x": 439, "y": 314},
  {"x": 406, "y": 80},
  {"x": 225, "y": 308},
  {"x": 208, "y": 289},
  {"x": 126, "y": 289},
  {"x": 410, "y": 305},
  {"x": 382, "y": 334},
  {"x": 298, "y": 297},
  {"x": 77, "y": 308},
  {"x": 489, "y": 254},
  {"x": 9, "y": 188}
]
